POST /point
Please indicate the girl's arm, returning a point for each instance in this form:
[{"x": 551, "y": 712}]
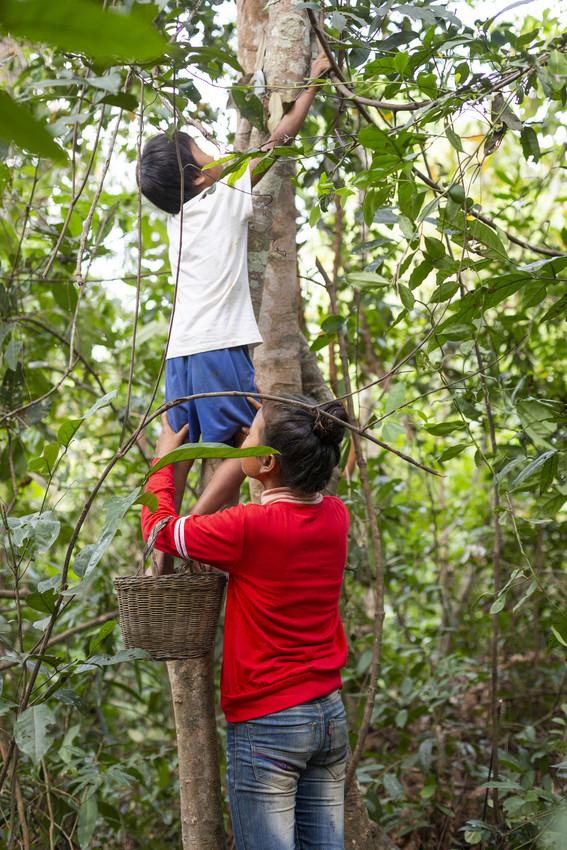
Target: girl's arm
[
  {"x": 216, "y": 540},
  {"x": 292, "y": 122}
]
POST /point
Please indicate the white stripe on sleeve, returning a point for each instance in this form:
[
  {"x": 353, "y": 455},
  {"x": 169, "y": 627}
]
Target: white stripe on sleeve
[
  {"x": 180, "y": 529},
  {"x": 176, "y": 537}
]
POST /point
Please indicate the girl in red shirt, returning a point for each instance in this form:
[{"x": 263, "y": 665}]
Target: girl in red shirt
[{"x": 284, "y": 643}]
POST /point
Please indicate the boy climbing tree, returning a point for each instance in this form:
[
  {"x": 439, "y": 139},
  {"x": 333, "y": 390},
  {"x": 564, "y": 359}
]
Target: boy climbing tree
[{"x": 213, "y": 324}]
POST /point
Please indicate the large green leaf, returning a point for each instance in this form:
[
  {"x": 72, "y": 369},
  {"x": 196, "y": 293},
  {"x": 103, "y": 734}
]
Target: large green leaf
[
  {"x": 19, "y": 127},
  {"x": 34, "y": 731},
  {"x": 194, "y": 451},
  {"x": 250, "y": 106},
  {"x": 83, "y": 27},
  {"x": 88, "y": 816},
  {"x": 42, "y": 529}
]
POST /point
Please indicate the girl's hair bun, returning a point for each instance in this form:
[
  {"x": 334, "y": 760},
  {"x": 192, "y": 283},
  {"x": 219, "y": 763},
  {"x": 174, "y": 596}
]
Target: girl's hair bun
[
  {"x": 307, "y": 440},
  {"x": 329, "y": 430}
]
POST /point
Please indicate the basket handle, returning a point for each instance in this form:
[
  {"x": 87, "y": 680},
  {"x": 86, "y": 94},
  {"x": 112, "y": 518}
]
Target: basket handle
[{"x": 151, "y": 542}]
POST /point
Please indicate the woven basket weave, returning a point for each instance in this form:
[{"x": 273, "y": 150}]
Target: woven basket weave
[{"x": 173, "y": 616}]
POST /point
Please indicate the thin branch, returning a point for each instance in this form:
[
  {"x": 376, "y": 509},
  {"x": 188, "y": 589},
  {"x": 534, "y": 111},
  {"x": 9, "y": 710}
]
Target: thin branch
[
  {"x": 548, "y": 252},
  {"x": 75, "y": 197},
  {"x": 341, "y": 84},
  {"x": 139, "y": 262}
]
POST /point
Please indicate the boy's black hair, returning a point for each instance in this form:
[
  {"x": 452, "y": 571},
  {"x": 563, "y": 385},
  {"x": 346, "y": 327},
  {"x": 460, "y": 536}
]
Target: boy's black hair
[
  {"x": 160, "y": 172},
  {"x": 308, "y": 443}
]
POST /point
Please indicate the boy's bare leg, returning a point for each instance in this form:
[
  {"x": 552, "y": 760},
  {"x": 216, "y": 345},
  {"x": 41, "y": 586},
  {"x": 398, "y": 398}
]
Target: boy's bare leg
[
  {"x": 222, "y": 489},
  {"x": 164, "y": 563}
]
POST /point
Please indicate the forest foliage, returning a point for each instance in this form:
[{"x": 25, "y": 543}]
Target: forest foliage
[{"x": 430, "y": 193}]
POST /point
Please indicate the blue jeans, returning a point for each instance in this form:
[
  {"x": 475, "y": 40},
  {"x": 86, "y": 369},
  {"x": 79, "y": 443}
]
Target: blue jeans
[{"x": 286, "y": 776}]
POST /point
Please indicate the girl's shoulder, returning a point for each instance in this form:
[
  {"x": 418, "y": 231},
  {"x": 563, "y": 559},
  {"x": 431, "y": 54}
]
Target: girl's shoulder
[{"x": 337, "y": 505}]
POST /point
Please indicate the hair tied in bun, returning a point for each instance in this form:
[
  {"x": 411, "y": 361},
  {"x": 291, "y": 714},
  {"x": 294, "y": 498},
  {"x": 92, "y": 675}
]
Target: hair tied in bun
[{"x": 329, "y": 430}]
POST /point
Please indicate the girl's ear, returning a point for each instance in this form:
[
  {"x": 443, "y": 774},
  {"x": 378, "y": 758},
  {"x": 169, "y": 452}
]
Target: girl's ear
[{"x": 268, "y": 464}]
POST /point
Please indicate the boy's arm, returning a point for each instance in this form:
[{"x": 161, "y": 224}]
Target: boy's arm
[{"x": 292, "y": 122}]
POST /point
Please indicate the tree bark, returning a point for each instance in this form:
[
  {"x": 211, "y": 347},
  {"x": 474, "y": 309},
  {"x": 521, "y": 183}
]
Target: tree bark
[
  {"x": 284, "y": 362},
  {"x": 193, "y": 696}
]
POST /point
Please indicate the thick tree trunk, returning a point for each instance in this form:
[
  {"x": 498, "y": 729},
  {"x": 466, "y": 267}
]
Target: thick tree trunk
[
  {"x": 278, "y": 42},
  {"x": 193, "y": 695}
]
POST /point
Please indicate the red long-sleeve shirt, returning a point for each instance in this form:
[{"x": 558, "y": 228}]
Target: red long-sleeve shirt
[{"x": 284, "y": 642}]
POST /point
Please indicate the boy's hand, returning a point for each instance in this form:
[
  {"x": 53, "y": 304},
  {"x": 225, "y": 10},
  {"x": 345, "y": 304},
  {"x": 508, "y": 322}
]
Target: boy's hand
[
  {"x": 320, "y": 66},
  {"x": 169, "y": 440}
]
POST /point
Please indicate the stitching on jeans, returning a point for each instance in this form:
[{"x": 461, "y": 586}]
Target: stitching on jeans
[
  {"x": 236, "y": 800},
  {"x": 271, "y": 760}
]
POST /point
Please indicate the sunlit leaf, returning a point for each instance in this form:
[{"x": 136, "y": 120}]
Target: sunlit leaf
[{"x": 89, "y": 29}]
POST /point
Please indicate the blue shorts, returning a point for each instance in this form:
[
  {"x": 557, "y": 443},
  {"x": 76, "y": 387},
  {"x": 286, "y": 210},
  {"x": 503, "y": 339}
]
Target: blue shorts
[{"x": 217, "y": 419}]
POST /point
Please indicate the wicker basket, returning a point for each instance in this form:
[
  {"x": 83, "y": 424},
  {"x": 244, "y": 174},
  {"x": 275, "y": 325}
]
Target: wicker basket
[{"x": 173, "y": 616}]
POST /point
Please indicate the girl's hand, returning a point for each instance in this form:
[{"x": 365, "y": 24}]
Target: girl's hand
[
  {"x": 320, "y": 65},
  {"x": 169, "y": 440}
]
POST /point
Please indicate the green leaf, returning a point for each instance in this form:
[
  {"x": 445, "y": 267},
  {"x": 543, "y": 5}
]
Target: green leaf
[
  {"x": 123, "y": 100},
  {"x": 43, "y": 602},
  {"x": 34, "y": 731},
  {"x": 366, "y": 280},
  {"x": 409, "y": 198},
  {"x": 194, "y": 451},
  {"x": 203, "y": 55},
  {"x": 453, "y": 451},
  {"x": 50, "y": 453},
  {"x": 332, "y": 324},
  {"x": 401, "y": 718},
  {"x": 321, "y": 341},
  {"x": 250, "y": 106},
  {"x": 559, "y": 636},
  {"x": 85, "y": 28},
  {"x": 538, "y": 419},
  {"x": 454, "y": 139},
  {"x": 314, "y": 215},
  {"x": 532, "y": 468},
  {"x": 121, "y": 657},
  {"x": 498, "y": 605},
  {"x": 530, "y": 144},
  {"x": 406, "y": 296},
  {"x": 12, "y": 354},
  {"x": 88, "y": 816},
  {"x": 393, "y": 787},
  {"x": 457, "y": 194},
  {"x": 40, "y": 528},
  {"x": 419, "y": 274},
  {"x": 102, "y": 402},
  {"x": 503, "y": 287},
  {"x": 444, "y": 292},
  {"x": 487, "y": 236},
  {"x": 105, "y": 630},
  {"x": 19, "y": 127},
  {"x": 150, "y": 500},
  {"x": 114, "y": 509},
  {"x": 236, "y": 174},
  {"x": 67, "y": 431},
  {"x": 434, "y": 248},
  {"x": 557, "y": 309},
  {"x": 444, "y": 428}
]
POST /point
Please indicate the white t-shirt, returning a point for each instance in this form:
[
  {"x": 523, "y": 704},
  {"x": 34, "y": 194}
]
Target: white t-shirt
[{"x": 213, "y": 307}]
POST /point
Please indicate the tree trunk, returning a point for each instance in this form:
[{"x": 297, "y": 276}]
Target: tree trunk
[
  {"x": 278, "y": 42},
  {"x": 193, "y": 695}
]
